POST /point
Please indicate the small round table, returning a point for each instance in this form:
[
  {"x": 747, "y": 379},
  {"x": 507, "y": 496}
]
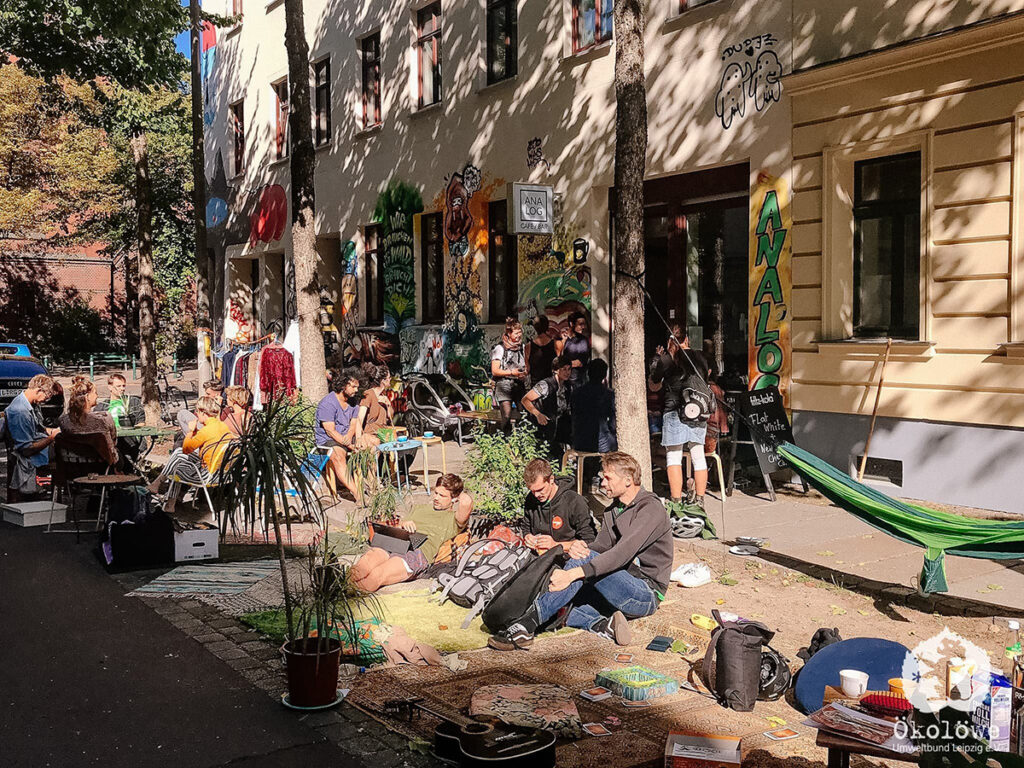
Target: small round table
[
  {"x": 393, "y": 449},
  {"x": 93, "y": 482},
  {"x": 145, "y": 445},
  {"x": 432, "y": 440}
]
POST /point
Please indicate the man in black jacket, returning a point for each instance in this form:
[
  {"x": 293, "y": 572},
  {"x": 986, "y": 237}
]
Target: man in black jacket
[
  {"x": 626, "y": 567},
  {"x": 555, "y": 513}
]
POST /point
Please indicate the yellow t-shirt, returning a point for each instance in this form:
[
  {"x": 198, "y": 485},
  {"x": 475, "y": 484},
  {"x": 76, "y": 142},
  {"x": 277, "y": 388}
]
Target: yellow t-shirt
[{"x": 211, "y": 441}]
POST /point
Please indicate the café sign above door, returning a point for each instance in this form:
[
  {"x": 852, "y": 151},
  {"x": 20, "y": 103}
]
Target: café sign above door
[{"x": 530, "y": 209}]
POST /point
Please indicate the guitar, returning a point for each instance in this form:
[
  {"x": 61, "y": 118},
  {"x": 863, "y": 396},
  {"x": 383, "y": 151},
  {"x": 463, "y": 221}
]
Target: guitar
[{"x": 473, "y": 744}]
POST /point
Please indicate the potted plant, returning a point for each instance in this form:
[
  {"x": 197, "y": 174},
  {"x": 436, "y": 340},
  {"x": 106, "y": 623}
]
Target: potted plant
[{"x": 268, "y": 470}]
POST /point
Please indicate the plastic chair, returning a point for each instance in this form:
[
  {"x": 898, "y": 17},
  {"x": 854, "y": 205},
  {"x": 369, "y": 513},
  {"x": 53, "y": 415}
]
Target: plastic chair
[{"x": 188, "y": 470}]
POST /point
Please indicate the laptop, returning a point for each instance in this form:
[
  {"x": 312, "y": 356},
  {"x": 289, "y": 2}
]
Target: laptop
[{"x": 395, "y": 540}]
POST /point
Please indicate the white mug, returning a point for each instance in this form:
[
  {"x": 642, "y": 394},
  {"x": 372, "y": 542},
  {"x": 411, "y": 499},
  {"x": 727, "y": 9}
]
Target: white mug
[{"x": 854, "y": 682}]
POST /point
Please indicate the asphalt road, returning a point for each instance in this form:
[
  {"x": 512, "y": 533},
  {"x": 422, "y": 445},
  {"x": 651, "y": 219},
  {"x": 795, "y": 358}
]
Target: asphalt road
[{"x": 90, "y": 677}]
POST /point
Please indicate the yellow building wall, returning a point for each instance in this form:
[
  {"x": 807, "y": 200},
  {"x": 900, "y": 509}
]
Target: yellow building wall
[{"x": 960, "y": 100}]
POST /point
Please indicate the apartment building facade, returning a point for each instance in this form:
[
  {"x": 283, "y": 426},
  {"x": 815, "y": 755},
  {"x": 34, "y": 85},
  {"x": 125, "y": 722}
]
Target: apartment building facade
[{"x": 465, "y": 174}]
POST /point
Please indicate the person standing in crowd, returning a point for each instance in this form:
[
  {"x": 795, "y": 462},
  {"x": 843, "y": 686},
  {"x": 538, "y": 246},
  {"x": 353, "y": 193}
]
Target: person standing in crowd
[
  {"x": 337, "y": 425},
  {"x": 593, "y": 412},
  {"x": 82, "y": 419},
  {"x": 623, "y": 574},
  {"x": 238, "y": 412},
  {"x": 555, "y": 514},
  {"x": 540, "y": 350},
  {"x": 671, "y": 369},
  {"x": 547, "y": 404},
  {"x": 508, "y": 369},
  {"x": 575, "y": 347},
  {"x": 30, "y": 439}
]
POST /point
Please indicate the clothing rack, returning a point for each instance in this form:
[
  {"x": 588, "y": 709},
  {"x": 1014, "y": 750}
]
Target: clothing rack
[{"x": 271, "y": 337}]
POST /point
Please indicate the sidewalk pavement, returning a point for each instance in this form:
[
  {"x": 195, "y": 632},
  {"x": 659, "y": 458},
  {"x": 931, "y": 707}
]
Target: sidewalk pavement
[{"x": 829, "y": 537}]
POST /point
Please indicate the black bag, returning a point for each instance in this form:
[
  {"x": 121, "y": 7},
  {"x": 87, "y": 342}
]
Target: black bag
[
  {"x": 821, "y": 638},
  {"x": 516, "y": 596},
  {"x": 132, "y": 504},
  {"x": 732, "y": 665}
]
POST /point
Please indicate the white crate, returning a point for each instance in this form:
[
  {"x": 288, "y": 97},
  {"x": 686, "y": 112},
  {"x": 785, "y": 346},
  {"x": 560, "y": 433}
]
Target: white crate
[
  {"x": 196, "y": 544},
  {"x": 28, "y": 514}
]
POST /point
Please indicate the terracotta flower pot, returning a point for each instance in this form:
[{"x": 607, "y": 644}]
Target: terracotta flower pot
[{"x": 312, "y": 675}]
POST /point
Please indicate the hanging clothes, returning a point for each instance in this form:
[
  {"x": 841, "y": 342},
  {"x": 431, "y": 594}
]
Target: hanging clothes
[{"x": 277, "y": 372}]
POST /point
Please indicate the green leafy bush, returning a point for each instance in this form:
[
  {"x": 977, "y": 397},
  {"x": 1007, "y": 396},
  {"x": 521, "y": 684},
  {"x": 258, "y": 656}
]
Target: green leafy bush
[{"x": 496, "y": 463}]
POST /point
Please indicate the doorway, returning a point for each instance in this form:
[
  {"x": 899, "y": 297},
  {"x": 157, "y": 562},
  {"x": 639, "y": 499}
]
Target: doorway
[{"x": 695, "y": 238}]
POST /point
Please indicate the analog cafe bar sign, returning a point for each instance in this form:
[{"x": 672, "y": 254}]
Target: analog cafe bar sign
[{"x": 530, "y": 209}]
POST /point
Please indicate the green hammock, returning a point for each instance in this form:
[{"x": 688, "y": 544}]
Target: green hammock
[{"x": 938, "y": 532}]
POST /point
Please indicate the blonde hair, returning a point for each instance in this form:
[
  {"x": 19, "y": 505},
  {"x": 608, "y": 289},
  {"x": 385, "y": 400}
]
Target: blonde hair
[
  {"x": 239, "y": 396},
  {"x": 43, "y": 383},
  {"x": 622, "y": 464},
  {"x": 78, "y": 402},
  {"x": 207, "y": 405}
]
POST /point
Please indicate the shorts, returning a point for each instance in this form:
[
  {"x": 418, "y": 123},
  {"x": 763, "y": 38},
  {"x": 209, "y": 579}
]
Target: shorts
[
  {"x": 508, "y": 390},
  {"x": 675, "y": 431},
  {"x": 415, "y": 562}
]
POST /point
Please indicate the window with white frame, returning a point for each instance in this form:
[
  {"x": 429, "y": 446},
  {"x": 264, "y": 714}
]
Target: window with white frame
[
  {"x": 236, "y": 120},
  {"x": 373, "y": 274},
  {"x": 322, "y": 101},
  {"x": 369, "y": 51},
  {"x": 428, "y": 54}
]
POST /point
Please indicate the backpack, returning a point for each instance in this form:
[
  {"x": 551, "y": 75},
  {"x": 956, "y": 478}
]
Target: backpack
[
  {"x": 696, "y": 400},
  {"x": 732, "y": 664},
  {"x": 822, "y": 637},
  {"x": 474, "y": 584},
  {"x": 514, "y": 599}
]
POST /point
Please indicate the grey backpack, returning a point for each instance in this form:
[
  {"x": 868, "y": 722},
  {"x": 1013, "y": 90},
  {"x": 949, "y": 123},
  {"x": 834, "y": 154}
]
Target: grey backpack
[{"x": 474, "y": 584}]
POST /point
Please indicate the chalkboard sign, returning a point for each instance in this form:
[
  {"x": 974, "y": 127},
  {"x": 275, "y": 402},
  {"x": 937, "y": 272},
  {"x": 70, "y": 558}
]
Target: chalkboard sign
[{"x": 766, "y": 416}]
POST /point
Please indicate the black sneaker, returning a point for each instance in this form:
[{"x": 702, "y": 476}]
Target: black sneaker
[
  {"x": 615, "y": 629},
  {"x": 515, "y": 637}
]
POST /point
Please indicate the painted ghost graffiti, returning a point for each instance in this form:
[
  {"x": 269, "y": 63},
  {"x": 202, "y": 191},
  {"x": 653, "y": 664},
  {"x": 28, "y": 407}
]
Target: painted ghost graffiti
[
  {"x": 753, "y": 72},
  {"x": 461, "y": 297}
]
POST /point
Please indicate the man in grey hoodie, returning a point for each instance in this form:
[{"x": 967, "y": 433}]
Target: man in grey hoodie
[{"x": 626, "y": 567}]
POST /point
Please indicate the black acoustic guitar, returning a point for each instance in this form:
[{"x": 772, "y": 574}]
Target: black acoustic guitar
[{"x": 473, "y": 744}]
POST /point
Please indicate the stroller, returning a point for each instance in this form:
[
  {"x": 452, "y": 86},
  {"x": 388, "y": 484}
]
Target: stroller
[{"x": 432, "y": 401}]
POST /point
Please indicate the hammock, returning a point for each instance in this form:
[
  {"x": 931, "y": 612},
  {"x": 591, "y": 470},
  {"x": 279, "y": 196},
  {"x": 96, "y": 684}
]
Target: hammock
[{"x": 938, "y": 532}]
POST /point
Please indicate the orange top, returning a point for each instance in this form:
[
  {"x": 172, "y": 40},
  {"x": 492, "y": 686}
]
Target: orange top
[{"x": 211, "y": 441}]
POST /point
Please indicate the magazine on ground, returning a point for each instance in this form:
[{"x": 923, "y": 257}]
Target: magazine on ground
[{"x": 852, "y": 724}]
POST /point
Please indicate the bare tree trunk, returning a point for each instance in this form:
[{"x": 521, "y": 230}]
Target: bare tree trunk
[
  {"x": 303, "y": 165},
  {"x": 718, "y": 304},
  {"x": 131, "y": 303},
  {"x": 629, "y": 376},
  {"x": 147, "y": 315},
  {"x": 199, "y": 194}
]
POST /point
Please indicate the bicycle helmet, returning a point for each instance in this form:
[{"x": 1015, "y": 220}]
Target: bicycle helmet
[
  {"x": 686, "y": 527},
  {"x": 776, "y": 676}
]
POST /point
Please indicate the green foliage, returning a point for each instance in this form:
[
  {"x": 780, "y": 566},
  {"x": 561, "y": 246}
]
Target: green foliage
[
  {"x": 496, "y": 463},
  {"x": 397, "y": 196},
  {"x": 303, "y": 413}
]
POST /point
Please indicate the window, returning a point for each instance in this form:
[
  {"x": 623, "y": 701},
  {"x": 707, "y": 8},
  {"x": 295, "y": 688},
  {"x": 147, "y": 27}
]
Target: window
[
  {"x": 685, "y": 5},
  {"x": 887, "y": 246},
  {"x": 236, "y": 7},
  {"x": 591, "y": 23},
  {"x": 237, "y": 122},
  {"x": 322, "y": 101},
  {"x": 503, "y": 273},
  {"x": 371, "y": 80},
  {"x": 281, "y": 119},
  {"x": 374, "y": 275},
  {"x": 502, "y": 40},
  {"x": 432, "y": 267},
  {"x": 428, "y": 54}
]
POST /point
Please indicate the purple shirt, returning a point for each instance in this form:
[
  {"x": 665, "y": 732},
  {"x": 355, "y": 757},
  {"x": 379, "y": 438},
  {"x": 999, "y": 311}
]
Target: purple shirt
[{"x": 331, "y": 409}]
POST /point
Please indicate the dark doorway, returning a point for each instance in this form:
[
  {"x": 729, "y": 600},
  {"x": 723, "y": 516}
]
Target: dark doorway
[{"x": 695, "y": 236}]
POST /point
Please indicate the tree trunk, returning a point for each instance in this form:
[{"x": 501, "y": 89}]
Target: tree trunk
[
  {"x": 303, "y": 164},
  {"x": 629, "y": 375},
  {"x": 131, "y": 303},
  {"x": 147, "y": 322},
  {"x": 718, "y": 303},
  {"x": 203, "y": 286}
]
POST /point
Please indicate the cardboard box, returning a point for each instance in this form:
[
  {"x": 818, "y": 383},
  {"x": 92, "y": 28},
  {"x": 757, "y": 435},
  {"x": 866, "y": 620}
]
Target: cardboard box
[
  {"x": 196, "y": 544},
  {"x": 702, "y": 750},
  {"x": 991, "y": 717},
  {"x": 28, "y": 514}
]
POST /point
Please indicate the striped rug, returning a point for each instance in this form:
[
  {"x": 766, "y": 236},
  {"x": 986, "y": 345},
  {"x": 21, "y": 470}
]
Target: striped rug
[{"x": 208, "y": 580}]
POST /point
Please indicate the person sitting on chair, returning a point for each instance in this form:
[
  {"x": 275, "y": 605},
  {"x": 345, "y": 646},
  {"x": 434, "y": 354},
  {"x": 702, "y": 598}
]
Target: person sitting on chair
[
  {"x": 447, "y": 516},
  {"x": 238, "y": 412},
  {"x": 336, "y": 425},
  {"x": 555, "y": 514},
  {"x": 30, "y": 439},
  {"x": 82, "y": 419},
  {"x": 625, "y": 569},
  {"x": 186, "y": 419},
  {"x": 209, "y": 436}
]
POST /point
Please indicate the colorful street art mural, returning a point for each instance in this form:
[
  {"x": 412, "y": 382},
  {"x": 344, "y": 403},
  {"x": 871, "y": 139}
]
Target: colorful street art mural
[
  {"x": 770, "y": 352},
  {"x": 207, "y": 61},
  {"x": 422, "y": 349},
  {"x": 752, "y": 71},
  {"x": 270, "y": 216},
  {"x": 216, "y": 212},
  {"x": 396, "y": 207}
]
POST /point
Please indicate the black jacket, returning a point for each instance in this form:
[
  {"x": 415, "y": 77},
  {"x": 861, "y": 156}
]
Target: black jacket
[
  {"x": 636, "y": 537},
  {"x": 564, "y": 518},
  {"x": 674, "y": 373}
]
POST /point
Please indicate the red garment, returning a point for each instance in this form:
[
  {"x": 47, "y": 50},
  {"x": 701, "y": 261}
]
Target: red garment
[{"x": 277, "y": 372}]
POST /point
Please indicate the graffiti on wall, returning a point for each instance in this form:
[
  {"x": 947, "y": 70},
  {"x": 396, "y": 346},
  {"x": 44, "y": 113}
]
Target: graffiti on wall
[
  {"x": 535, "y": 154},
  {"x": 206, "y": 64},
  {"x": 395, "y": 209},
  {"x": 241, "y": 321},
  {"x": 422, "y": 350},
  {"x": 268, "y": 219},
  {"x": 770, "y": 353},
  {"x": 752, "y": 72}
]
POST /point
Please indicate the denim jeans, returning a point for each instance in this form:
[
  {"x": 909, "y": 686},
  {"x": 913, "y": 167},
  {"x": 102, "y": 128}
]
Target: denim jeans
[{"x": 593, "y": 600}]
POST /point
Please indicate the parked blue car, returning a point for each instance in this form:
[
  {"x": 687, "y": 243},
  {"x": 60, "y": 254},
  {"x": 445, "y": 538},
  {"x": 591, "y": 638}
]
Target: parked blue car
[{"x": 16, "y": 369}]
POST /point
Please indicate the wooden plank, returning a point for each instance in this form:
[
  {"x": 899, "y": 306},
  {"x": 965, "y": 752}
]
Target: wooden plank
[
  {"x": 974, "y": 145},
  {"x": 966, "y": 259},
  {"x": 981, "y": 182},
  {"x": 971, "y": 296},
  {"x": 807, "y": 172},
  {"x": 806, "y": 303},
  {"x": 807, "y": 206},
  {"x": 963, "y": 372},
  {"x": 970, "y": 333},
  {"x": 807, "y": 270},
  {"x": 968, "y": 221},
  {"x": 805, "y": 332},
  {"x": 806, "y": 238}
]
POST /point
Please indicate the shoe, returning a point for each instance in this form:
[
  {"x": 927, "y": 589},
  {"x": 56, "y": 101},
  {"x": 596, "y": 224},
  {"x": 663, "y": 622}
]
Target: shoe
[
  {"x": 698, "y": 501},
  {"x": 691, "y": 496},
  {"x": 616, "y": 628},
  {"x": 691, "y": 575},
  {"x": 513, "y": 638}
]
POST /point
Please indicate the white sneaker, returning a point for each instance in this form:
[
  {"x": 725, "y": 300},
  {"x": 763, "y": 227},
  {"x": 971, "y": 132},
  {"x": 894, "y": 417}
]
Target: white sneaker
[{"x": 692, "y": 575}]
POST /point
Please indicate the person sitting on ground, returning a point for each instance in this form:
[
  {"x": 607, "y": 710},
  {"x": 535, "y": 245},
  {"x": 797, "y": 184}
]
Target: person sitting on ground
[
  {"x": 593, "y": 412},
  {"x": 82, "y": 419},
  {"x": 448, "y": 515},
  {"x": 208, "y": 437},
  {"x": 508, "y": 369},
  {"x": 187, "y": 419},
  {"x": 238, "y": 412},
  {"x": 547, "y": 404},
  {"x": 30, "y": 439},
  {"x": 672, "y": 369},
  {"x": 336, "y": 425},
  {"x": 540, "y": 350},
  {"x": 555, "y": 514},
  {"x": 625, "y": 569}
]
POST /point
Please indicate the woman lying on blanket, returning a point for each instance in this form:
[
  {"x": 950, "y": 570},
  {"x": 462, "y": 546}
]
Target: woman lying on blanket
[{"x": 446, "y": 517}]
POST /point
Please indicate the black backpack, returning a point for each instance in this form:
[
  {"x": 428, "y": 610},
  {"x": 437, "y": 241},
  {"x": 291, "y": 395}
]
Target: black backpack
[
  {"x": 696, "y": 400},
  {"x": 732, "y": 664},
  {"x": 516, "y": 596}
]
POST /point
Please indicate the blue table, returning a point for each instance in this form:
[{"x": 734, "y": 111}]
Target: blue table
[
  {"x": 880, "y": 659},
  {"x": 393, "y": 450}
]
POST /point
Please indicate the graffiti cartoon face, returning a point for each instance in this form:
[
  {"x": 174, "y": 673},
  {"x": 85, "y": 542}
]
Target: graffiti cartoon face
[
  {"x": 766, "y": 80},
  {"x": 458, "y": 220},
  {"x": 731, "y": 99}
]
